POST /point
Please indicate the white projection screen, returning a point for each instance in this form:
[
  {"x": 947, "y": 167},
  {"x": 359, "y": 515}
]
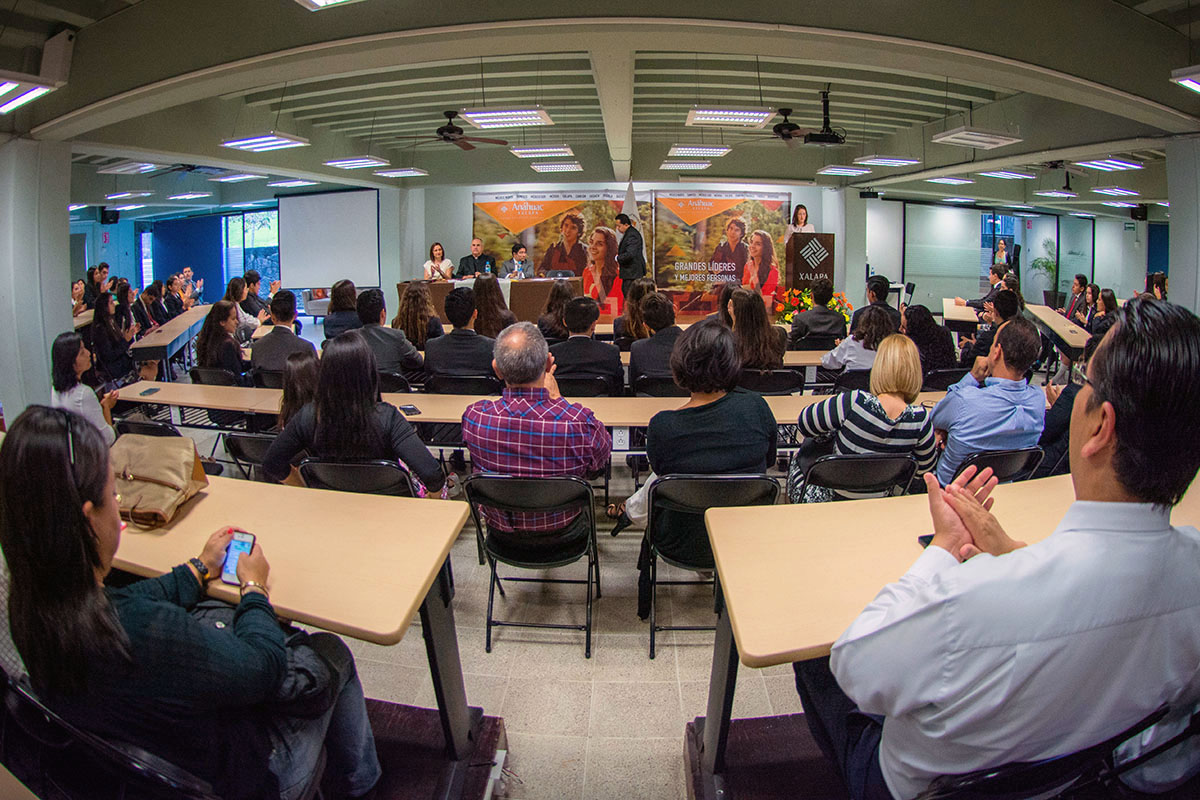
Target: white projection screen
[{"x": 326, "y": 237}]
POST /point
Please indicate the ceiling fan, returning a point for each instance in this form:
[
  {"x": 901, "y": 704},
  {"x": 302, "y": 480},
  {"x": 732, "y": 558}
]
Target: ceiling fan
[
  {"x": 790, "y": 133},
  {"x": 452, "y": 134}
]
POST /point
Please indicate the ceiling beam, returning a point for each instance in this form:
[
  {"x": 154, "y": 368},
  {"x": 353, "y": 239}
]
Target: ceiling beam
[
  {"x": 76, "y": 13},
  {"x": 612, "y": 66}
]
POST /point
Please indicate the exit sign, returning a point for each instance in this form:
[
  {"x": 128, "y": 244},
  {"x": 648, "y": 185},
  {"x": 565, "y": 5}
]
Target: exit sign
[{"x": 1131, "y": 226}]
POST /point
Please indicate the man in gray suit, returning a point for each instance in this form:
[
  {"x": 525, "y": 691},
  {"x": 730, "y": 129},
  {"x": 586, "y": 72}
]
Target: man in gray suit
[
  {"x": 393, "y": 351},
  {"x": 270, "y": 353},
  {"x": 519, "y": 266}
]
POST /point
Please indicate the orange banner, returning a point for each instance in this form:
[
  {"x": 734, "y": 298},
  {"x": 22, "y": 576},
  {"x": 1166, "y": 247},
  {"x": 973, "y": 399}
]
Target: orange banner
[
  {"x": 517, "y": 215},
  {"x": 695, "y": 209}
]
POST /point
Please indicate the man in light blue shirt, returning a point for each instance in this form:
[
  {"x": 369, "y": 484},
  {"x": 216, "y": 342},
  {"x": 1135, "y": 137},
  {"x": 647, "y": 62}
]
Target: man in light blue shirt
[{"x": 1005, "y": 413}]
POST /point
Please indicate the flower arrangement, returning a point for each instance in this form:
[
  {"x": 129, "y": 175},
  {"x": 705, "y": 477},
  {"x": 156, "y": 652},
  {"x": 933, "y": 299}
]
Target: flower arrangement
[{"x": 790, "y": 303}]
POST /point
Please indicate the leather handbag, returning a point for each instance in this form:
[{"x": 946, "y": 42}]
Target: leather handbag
[{"x": 155, "y": 475}]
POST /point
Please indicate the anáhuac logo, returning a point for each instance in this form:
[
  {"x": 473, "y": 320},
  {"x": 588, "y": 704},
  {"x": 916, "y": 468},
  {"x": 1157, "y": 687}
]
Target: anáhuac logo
[{"x": 814, "y": 253}]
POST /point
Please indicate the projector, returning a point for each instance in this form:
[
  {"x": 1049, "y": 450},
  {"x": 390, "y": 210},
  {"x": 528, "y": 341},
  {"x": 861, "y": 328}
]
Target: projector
[{"x": 824, "y": 138}]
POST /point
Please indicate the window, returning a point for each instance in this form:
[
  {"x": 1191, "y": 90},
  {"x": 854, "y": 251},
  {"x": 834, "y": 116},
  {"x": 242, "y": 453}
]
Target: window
[
  {"x": 251, "y": 242},
  {"x": 231, "y": 247},
  {"x": 146, "y": 242}
]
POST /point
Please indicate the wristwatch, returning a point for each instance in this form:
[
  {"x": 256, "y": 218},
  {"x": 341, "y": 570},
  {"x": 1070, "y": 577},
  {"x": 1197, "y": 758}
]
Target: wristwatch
[{"x": 201, "y": 568}]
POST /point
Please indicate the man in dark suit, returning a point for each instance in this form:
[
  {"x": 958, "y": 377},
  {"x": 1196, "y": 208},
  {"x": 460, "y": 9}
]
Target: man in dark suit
[
  {"x": 652, "y": 356},
  {"x": 393, "y": 351},
  {"x": 996, "y": 279},
  {"x": 877, "y": 295},
  {"x": 581, "y": 355},
  {"x": 462, "y": 351},
  {"x": 631, "y": 260},
  {"x": 477, "y": 263},
  {"x": 1078, "y": 287},
  {"x": 270, "y": 353},
  {"x": 820, "y": 320}
]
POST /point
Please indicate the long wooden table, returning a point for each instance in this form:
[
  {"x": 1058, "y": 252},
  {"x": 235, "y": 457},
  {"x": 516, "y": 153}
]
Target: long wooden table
[
  {"x": 791, "y": 358},
  {"x": 83, "y": 318},
  {"x": 1068, "y": 337},
  {"x": 793, "y": 577},
  {"x": 365, "y": 575},
  {"x": 170, "y": 338},
  {"x": 962, "y": 319}
]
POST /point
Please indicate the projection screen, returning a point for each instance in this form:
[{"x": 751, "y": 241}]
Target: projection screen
[{"x": 326, "y": 237}]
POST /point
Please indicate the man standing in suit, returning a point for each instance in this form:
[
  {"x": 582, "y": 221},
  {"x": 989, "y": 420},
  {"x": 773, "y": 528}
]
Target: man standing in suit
[
  {"x": 581, "y": 355},
  {"x": 820, "y": 320},
  {"x": 270, "y": 353},
  {"x": 462, "y": 351},
  {"x": 652, "y": 356},
  {"x": 877, "y": 295},
  {"x": 630, "y": 257},
  {"x": 477, "y": 263},
  {"x": 393, "y": 351}
]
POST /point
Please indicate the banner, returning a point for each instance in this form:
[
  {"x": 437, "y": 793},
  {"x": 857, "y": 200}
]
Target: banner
[
  {"x": 559, "y": 228},
  {"x": 704, "y": 239}
]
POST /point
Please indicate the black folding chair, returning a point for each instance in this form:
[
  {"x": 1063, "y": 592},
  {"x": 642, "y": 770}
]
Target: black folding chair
[
  {"x": 212, "y": 376},
  {"x": 360, "y": 477},
  {"x": 868, "y": 473},
  {"x": 268, "y": 379},
  {"x": 695, "y": 494},
  {"x": 1008, "y": 466},
  {"x": 909, "y": 288},
  {"x": 146, "y": 427},
  {"x": 940, "y": 380},
  {"x": 658, "y": 386},
  {"x": 1054, "y": 299},
  {"x": 508, "y": 494},
  {"x": 772, "y": 382},
  {"x": 821, "y": 343},
  {"x": 249, "y": 451},
  {"x": 585, "y": 386},
  {"x": 393, "y": 382},
  {"x": 853, "y": 379},
  {"x": 463, "y": 384}
]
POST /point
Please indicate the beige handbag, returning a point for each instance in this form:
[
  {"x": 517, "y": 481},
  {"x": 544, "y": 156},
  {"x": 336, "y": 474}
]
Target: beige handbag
[{"x": 155, "y": 476}]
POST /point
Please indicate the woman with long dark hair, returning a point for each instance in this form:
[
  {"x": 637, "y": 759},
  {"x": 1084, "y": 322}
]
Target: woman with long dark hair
[
  {"x": 300, "y": 373},
  {"x": 602, "y": 278},
  {"x": 934, "y": 343},
  {"x": 216, "y": 347},
  {"x": 494, "y": 315},
  {"x": 857, "y": 351},
  {"x": 550, "y": 323},
  {"x": 631, "y": 325},
  {"x": 1083, "y": 316},
  {"x": 111, "y": 343},
  {"x": 342, "y": 315},
  {"x": 799, "y": 223},
  {"x": 416, "y": 315},
  {"x": 1156, "y": 284},
  {"x": 347, "y": 420},
  {"x": 136, "y": 663},
  {"x": 235, "y": 293},
  {"x": 760, "y": 344},
  {"x": 762, "y": 270},
  {"x": 1105, "y": 315},
  {"x": 69, "y": 360}
]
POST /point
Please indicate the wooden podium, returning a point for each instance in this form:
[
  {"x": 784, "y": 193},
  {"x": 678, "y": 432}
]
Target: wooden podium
[{"x": 809, "y": 257}]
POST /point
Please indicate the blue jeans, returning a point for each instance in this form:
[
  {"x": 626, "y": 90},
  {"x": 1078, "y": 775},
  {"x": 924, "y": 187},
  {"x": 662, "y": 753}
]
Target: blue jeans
[
  {"x": 352, "y": 766},
  {"x": 847, "y": 737}
]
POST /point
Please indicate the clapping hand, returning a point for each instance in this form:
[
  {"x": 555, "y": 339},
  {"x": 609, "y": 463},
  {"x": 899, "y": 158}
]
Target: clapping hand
[
  {"x": 551, "y": 382},
  {"x": 274, "y": 287},
  {"x": 951, "y": 531},
  {"x": 974, "y": 512},
  {"x": 109, "y": 400},
  {"x": 263, "y": 316}
]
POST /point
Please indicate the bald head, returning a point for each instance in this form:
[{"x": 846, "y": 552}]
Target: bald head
[{"x": 521, "y": 355}]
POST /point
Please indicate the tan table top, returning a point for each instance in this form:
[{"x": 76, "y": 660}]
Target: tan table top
[
  {"x": 606, "y": 328},
  {"x": 84, "y": 318},
  {"x": 617, "y": 412},
  {"x": 796, "y": 576},
  {"x": 1071, "y": 333},
  {"x": 792, "y": 358},
  {"x": 362, "y": 575},
  {"x": 167, "y": 333},
  {"x": 13, "y": 789},
  {"x": 957, "y": 313},
  {"x": 261, "y": 331}
]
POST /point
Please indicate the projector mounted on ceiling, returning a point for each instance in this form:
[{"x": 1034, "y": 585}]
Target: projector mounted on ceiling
[{"x": 827, "y": 136}]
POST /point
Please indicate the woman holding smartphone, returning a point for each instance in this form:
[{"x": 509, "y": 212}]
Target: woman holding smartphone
[{"x": 137, "y": 664}]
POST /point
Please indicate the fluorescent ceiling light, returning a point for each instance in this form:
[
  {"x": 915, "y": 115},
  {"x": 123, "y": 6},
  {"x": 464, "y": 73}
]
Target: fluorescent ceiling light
[
  {"x": 556, "y": 166},
  {"x": 887, "y": 161},
  {"x": 238, "y": 177},
  {"x": 130, "y": 207},
  {"x": 1021, "y": 206},
  {"x": 403, "y": 172},
  {"x": 1063, "y": 193},
  {"x": 978, "y": 138},
  {"x": 317, "y": 5},
  {"x": 1188, "y": 78},
  {"x": 266, "y": 142},
  {"x": 291, "y": 184},
  {"x": 950, "y": 181},
  {"x": 517, "y": 117},
  {"x": 7, "y": 87},
  {"x": 1115, "y": 191},
  {"x": 842, "y": 169},
  {"x": 127, "y": 195},
  {"x": 1008, "y": 175},
  {"x": 730, "y": 116},
  {"x": 25, "y": 97},
  {"x": 130, "y": 168},
  {"x": 254, "y": 204},
  {"x": 958, "y": 200},
  {"x": 685, "y": 165},
  {"x": 1083, "y": 214},
  {"x": 1118, "y": 204},
  {"x": 1022, "y": 214},
  {"x": 1110, "y": 164},
  {"x": 76, "y": 206},
  {"x": 358, "y": 162},
  {"x": 698, "y": 150},
  {"x": 542, "y": 151},
  {"x": 1163, "y": 203},
  {"x": 190, "y": 196}
]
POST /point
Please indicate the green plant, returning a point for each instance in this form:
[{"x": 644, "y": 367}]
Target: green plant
[{"x": 1046, "y": 263}]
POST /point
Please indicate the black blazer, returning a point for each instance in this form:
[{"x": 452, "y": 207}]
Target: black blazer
[
  {"x": 468, "y": 265},
  {"x": 583, "y": 356},
  {"x": 893, "y": 312},
  {"x": 987, "y": 298},
  {"x": 460, "y": 352},
  {"x": 159, "y": 312},
  {"x": 818, "y": 321},
  {"x": 393, "y": 351},
  {"x": 141, "y": 316},
  {"x": 253, "y": 304},
  {"x": 653, "y": 356},
  {"x": 174, "y": 305},
  {"x": 629, "y": 255},
  {"x": 271, "y": 351}
]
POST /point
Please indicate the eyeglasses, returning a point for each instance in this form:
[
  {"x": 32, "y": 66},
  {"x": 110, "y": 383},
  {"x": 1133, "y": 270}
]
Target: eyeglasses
[{"x": 1080, "y": 373}]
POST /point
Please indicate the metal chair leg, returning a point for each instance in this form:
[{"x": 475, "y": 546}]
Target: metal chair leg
[
  {"x": 587, "y": 644},
  {"x": 487, "y": 648},
  {"x": 653, "y": 598},
  {"x": 596, "y": 565}
]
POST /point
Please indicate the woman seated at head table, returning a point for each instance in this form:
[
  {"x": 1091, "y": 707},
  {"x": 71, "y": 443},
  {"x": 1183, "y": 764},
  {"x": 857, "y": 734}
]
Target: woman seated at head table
[
  {"x": 69, "y": 360},
  {"x": 761, "y": 345},
  {"x": 416, "y": 315},
  {"x": 216, "y": 347},
  {"x": 347, "y": 420},
  {"x": 857, "y": 351},
  {"x": 438, "y": 267},
  {"x": 883, "y": 420},
  {"x": 209, "y": 688}
]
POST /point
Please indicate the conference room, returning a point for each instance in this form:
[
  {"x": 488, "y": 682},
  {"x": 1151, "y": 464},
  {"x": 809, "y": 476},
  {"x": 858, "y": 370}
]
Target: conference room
[{"x": 501, "y": 401}]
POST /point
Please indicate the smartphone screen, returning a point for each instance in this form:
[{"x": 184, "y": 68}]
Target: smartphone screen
[
  {"x": 149, "y": 391},
  {"x": 409, "y": 410},
  {"x": 243, "y": 542}
]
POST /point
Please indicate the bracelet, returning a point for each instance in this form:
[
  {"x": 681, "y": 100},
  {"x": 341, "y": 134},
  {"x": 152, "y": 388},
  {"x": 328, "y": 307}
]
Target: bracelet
[{"x": 255, "y": 585}]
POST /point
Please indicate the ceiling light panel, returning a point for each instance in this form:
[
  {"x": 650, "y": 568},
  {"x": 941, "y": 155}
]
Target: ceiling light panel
[
  {"x": 844, "y": 170},
  {"x": 556, "y": 166},
  {"x": 1163, "y": 203},
  {"x": 127, "y": 195},
  {"x": 402, "y": 172},
  {"x": 190, "y": 196},
  {"x": 1008, "y": 175},
  {"x": 521, "y": 117},
  {"x": 887, "y": 161},
  {"x": 266, "y": 142},
  {"x": 542, "y": 151},
  {"x": 7, "y": 86},
  {"x": 1188, "y": 78},
  {"x": 977, "y": 138},
  {"x": 318, "y": 5},
  {"x": 77, "y": 206},
  {"x": 685, "y": 165},
  {"x": 950, "y": 181},
  {"x": 130, "y": 168},
  {"x": 1060, "y": 193},
  {"x": 1115, "y": 191},
  {"x": 730, "y": 116},
  {"x": 1118, "y": 204},
  {"x": 21, "y": 99},
  {"x": 129, "y": 207},
  {"x": 292, "y": 184},
  {"x": 698, "y": 151},
  {"x": 1110, "y": 164},
  {"x": 358, "y": 162},
  {"x": 1083, "y": 214},
  {"x": 958, "y": 200},
  {"x": 238, "y": 177}
]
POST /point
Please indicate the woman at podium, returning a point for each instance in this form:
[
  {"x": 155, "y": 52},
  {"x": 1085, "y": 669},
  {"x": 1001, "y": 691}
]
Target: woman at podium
[{"x": 799, "y": 224}]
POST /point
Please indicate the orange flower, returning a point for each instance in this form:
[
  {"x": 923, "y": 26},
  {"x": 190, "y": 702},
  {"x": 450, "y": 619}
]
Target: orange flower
[{"x": 778, "y": 307}]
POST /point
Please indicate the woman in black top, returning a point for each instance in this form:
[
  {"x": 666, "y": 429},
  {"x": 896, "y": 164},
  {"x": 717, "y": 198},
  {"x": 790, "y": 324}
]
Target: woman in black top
[
  {"x": 216, "y": 347},
  {"x": 343, "y": 310},
  {"x": 551, "y": 322},
  {"x": 934, "y": 343},
  {"x": 1104, "y": 316},
  {"x": 494, "y": 315},
  {"x": 123, "y": 312},
  {"x": 760, "y": 344},
  {"x": 110, "y": 341},
  {"x": 139, "y": 664},
  {"x": 348, "y": 421},
  {"x": 158, "y": 311}
]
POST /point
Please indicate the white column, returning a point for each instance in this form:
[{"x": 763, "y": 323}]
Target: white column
[
  {"x": 1183, "y": 189},
  {"x": 855, "y": 276},
  {"x": 833, "y": 220},
  {"x": 35, "y": 284}
]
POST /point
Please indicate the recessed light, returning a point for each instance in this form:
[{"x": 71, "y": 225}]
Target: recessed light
[
  {"x": 679, "y": 165},
  {"x": 556, "y": 166},
  {"x": 1022, "y": 214},
  {"x": 266, "y": 142},
  {"x": 518, "y": 117},
  {"x": 403, "y": 172},
  {"x": 729, "y": 116},
  {"x": 842, "y": 169},
  {"x": 22, "y": 99},
  {"x": 190, "y": 196},
  {"x": 542, "y": 151},
  {"x": 127, "y": 195},
  {"x": 887, "y": 161},
  {"x": 1008, "y": 175},
  {"x": 358, "y": 162},
  {"x": 1110, "y": 164},
  {"x": 1115, "y": 191},
  {"x": 238, "y": 177},
  {"x": 698, "y": 151},
  {"x": 978, "y": 138},
  {"x": 130, "y": 168},
  {"x": 958, "y": 200},
  {"x": 1060, "y": 193},
  {"x": 1020, "y": 206},
  {"x": 254, "y": 204},
  {"x": 950, "y": 181},
  {"x": 1118, "y": 204},
  {"x": 292, "y": 184},
  {"x": 130, "y": 207}
]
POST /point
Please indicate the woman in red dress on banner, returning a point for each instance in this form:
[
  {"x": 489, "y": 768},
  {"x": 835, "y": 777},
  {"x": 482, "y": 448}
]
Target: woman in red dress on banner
[
  {"x": 601, "y": 280},
  {"x": 762, "y": 270}
]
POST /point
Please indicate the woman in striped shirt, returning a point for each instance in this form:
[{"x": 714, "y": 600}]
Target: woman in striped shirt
[{"x": 883, "y": 420}]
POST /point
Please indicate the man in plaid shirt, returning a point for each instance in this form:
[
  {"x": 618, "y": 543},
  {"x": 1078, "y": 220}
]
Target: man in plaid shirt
[{"x": 531, "y": 430}]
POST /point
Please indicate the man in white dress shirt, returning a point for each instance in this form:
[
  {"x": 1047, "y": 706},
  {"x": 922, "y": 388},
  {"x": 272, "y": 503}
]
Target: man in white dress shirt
[{"x": 1022, "y": 653}]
